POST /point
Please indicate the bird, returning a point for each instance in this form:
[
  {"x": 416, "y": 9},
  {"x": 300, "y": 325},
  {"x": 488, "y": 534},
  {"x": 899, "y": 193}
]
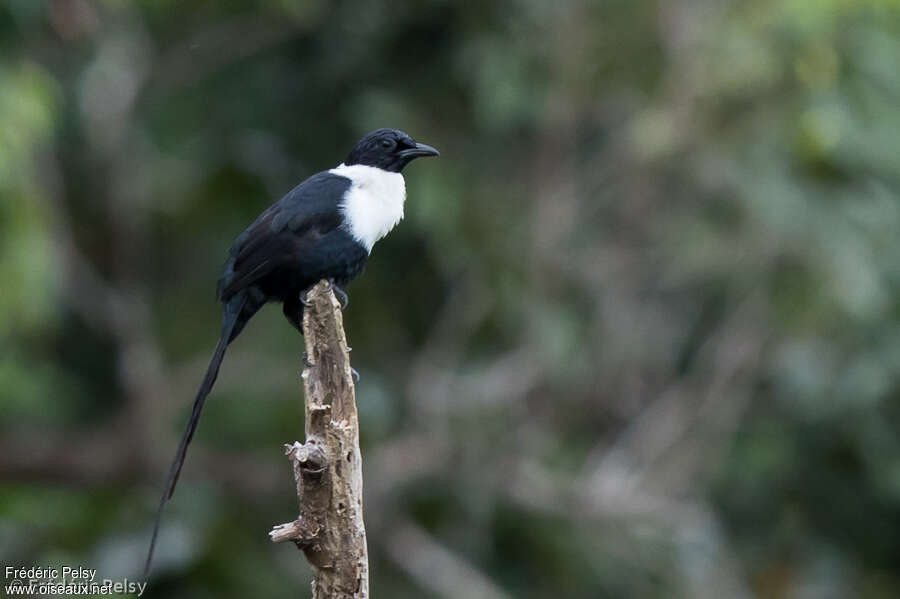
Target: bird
[{"x": 324, "y": 228}]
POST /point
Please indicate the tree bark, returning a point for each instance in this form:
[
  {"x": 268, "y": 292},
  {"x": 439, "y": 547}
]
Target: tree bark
[{"x": 328, "y": 467}]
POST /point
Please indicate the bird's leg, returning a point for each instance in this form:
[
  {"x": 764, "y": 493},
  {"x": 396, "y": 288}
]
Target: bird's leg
[{"x": 340, "y": 293}]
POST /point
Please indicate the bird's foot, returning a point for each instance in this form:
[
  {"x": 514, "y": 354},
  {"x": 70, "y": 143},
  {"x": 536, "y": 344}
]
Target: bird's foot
[
  {"x": 354, "y": 374},
  {"x": 304, "y": 299},
  {"x": 306, "y": 361},
  {"x": 340, "y": 293}
]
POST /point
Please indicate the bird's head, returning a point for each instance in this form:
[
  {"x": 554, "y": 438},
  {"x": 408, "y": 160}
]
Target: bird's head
[{"x": 388, "y": 149}]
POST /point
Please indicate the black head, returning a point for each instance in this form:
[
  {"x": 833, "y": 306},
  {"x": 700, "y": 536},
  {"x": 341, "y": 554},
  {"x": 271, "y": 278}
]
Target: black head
[{"x": 388, "y": 149}]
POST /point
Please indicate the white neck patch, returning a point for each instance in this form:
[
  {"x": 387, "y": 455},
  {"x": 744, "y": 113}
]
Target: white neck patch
[{"x": 374, "y": 203}]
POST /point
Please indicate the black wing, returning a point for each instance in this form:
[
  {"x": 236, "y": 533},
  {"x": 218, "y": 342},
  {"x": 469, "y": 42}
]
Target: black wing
[{"x": 286, "y": 229}]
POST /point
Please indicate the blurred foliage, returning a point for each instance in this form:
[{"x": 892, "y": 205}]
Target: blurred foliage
[{"x": 638, "y": 335}]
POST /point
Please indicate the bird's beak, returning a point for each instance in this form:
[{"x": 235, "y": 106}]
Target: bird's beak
[{"x": 420, "y": 150}]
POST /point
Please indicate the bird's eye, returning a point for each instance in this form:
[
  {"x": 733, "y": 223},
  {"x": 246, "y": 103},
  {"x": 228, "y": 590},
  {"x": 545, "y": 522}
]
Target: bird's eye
[{"x": 387, "y": 143}]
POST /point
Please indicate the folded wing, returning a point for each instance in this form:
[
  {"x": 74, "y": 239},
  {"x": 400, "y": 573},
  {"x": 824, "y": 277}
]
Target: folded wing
[{"x": 284, "y": 233}]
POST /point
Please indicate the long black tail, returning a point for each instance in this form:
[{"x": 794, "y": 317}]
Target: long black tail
[{"x": 230, "y": 327}]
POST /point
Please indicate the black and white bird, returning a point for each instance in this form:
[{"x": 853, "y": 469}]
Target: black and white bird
[{"x": 322, "y": 229}]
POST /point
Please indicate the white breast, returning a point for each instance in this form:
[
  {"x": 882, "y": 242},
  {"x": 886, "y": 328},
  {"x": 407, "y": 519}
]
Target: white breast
[{"x": 374, "y": 202}]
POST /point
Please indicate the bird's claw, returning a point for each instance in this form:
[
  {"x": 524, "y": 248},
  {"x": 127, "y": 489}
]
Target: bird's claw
[
  {"x": 354, "y": 374},
  {"x": 304, "y": 299},
  {"x": 340, "y": 293}
]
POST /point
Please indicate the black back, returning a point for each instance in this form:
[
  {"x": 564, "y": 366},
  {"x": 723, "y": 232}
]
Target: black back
[{"x": 294, "y": 243}]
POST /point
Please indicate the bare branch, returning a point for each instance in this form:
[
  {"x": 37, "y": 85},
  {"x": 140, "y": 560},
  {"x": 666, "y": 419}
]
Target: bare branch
[{"x": 328, "y": 467}]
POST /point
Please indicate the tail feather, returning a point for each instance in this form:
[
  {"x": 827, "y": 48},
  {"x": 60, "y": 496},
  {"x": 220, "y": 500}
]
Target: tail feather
[{"x": 230, "y": 326}]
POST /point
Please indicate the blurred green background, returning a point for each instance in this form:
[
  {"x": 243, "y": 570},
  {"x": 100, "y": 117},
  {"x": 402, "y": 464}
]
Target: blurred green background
[{"x": 637, "y": 336}]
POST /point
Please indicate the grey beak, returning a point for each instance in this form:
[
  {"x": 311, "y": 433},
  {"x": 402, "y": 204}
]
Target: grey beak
[{"x": 420, "y": 150}]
